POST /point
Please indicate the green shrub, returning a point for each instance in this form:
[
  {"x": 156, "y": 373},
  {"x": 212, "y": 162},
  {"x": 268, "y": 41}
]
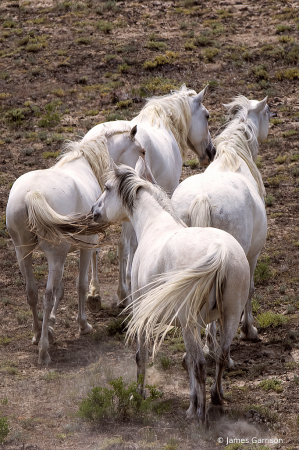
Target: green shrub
[
  {"x": 210, "y": 53},
  {"x": 193, "y": 163},
  {"x": 104, "y": 26},
  {"x": 282, "y": 28},
  {"x": 269, "y": 200},
  {"x": 259, "y": 72},
  {"x": 121, "y": 402},
  {"x": 49, "y": 155},
  {"x": 165, "y": 362},
  {"x": 52, "y": 117},
  {"x": 271, "y": 385},
  {"x": 292, "y": 56},
  {"x": 262, "y": 271},
  {"x": 83, "y": 40},
  {"x": 156, "y": 45},
  {"x": 16, "y": 116},
  {"x": 270, "y": 319},
  {"x": 281, "y": 159},
  {"x": 4, "y": 428}
]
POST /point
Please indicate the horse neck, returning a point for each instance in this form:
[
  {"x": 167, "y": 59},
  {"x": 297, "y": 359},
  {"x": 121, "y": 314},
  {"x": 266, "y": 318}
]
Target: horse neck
[{"x": 148, "y": 216}]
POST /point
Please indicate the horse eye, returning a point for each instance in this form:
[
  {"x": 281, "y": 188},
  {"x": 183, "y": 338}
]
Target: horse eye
[
  {"x": 208, "y": 116},
  {"x": 106, "y": 187}
]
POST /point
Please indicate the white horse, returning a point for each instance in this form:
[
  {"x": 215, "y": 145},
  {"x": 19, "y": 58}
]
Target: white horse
[
  {"x": 41, "y": 197},
  {"x": 167, "y": 127},
  {"x": 196, "y": 276},
  {"x": 229, "y": 195}
]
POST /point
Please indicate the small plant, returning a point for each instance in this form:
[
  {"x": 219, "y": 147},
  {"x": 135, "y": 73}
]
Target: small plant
[
  {"x": 258, "y": 162},
  {"x": 104, "y": 26},
  {"x": 4, "y": 428},
  {"x": 262, "y": 271},
  {"x": 192, "y": 163},
  {"x": 281, "y": 159},
  {"x": 289, "y": 133},
  {"x": 16, "y": 116},
  {"x": 165, "y": 362},
  {"x": 50, "y": 155},
  {"x": 260, "y": 72},
  {"x": 120, "y": 402},
  {"x": 270, "y": 319},
  {"x": 123, "y": 68},
  {"x": 282, "y": 28},
  {"x": 156, "y": 45},
  {"x": 271, "y": 385},
  {"x": 4, "y": 340},
  {"x": 210, "y": 53},
  {"x": 269, "y": 200},
  {"x": 83, "y": 40},
  {"x": 52, "y": 117},
  {"x": 189, "y": 45}
]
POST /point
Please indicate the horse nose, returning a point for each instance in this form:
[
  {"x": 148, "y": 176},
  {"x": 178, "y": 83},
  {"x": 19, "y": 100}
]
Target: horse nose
[{"x": 211, "y": 151}]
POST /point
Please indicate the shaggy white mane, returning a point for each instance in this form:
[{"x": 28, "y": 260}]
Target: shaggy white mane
[
  {"x": 94, "y": 150},
  {"x": 239, "y": 140},
  {"x": 173, "y": 112},
  {"x": 128, "y": 182}
]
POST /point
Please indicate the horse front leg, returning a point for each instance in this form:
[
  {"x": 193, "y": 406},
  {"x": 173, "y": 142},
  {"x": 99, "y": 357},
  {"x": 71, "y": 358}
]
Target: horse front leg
[
  {"x": 248, "y": 330},
  {"x": 123, "y": 253},
  {"x": 82, "y": 284}
]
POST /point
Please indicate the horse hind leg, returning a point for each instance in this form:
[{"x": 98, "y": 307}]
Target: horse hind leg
[
  {"x": 248, "y": 330},
  {"x": 24, "y": 246},
  {"x": 196, "y": 365},
  {"x": 94, "y": 301},
  {"x": 53, "y": 294}
]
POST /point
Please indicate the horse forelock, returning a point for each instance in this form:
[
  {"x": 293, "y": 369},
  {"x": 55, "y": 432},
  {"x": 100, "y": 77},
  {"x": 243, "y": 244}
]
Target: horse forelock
[
  {"x": 239, "y": 140},
  {"x": 127, "y": 185},
  {"x": 172, "y": 111}
]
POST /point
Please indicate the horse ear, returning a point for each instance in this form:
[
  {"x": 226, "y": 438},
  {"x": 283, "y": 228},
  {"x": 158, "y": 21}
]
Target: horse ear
[
  {"x": 261, "y": 105},
  {"x": 200, "y": 96},
  {"x": 133, "y": 132},
  {"x": 140, "y": 167}
]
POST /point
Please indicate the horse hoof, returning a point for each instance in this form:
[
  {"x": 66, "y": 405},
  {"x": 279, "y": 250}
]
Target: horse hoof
[
  {"x": 250, "y": 334},
  {"x": 44, "y": 359},
  {"x": 191, "y": 413},
  {"x": 35, "y": 339},
  {"x": 94, "y": 303},
  {"x": 214, "y": 412},
  {"x": 87, "y": 329},
  {"x": 50, "y": 335},
  {"x": 52, "y": 321},
  {"x": 184, "y": 363},
  {"x": 230, "y": 364}
]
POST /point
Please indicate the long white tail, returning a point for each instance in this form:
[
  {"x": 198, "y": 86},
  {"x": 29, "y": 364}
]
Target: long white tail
[
  {"x": 179, "y": 294},
  {"x": 42, "y": 219},
  {"x": 200, "y": 212}
]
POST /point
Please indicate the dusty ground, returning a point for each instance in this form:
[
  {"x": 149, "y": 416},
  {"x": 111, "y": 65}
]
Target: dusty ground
[{"x": 63, "y": 71}]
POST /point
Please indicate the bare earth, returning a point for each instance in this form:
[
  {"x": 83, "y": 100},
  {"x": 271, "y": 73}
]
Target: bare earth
[{"x": 62, "y": 70}]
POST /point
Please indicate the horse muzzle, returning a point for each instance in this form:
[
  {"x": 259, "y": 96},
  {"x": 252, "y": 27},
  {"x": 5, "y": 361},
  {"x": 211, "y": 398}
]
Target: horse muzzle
[{"x": 211, "y": 151}]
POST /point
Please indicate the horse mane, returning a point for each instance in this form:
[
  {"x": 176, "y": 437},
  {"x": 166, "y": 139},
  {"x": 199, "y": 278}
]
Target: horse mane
[
  {"x": 94, "y": 150},
  {"x": 128, "y": 183},
  {"x": 239, "y": 140},
  {"x": 173, "y": 112}
]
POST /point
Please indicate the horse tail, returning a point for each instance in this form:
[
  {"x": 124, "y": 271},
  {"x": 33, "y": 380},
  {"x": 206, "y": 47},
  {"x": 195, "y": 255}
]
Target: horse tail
[
  {"x": 179, "y": 295},
  {"x": 200, "y": 212},
  {"x": 55, "y": 227},
  {"x": 42, "y": 219}
]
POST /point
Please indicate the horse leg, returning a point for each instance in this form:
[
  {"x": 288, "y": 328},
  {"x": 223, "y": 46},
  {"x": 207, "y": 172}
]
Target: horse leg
[
  {"x": 133, "y": 246},
  {"x": 82, "y": 284},
  {"x": 54, "y": 292},
  {"x": 123, "y": 253},
  {"x": 141, "y": 361},
  {"x": 196, "y": 365},
  {"x": 93, "y": 298},
  {"x": 248, "y": 330},
  {"x": 24, "y": 249},
  {"x": 211, "y": 345}
]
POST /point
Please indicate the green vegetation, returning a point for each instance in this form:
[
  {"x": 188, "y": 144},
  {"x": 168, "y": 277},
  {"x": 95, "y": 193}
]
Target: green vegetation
[
  {"x": 260, "y": 72},
  {"x": 50, "y": 155},
  {"x": 269, "y": 200},
  {"x": 160, "y": 60},
  {"x": 192, "y": 163},
  {"x": 281, "y": 159},
  {"x": 104, "y": 26},
  {"x": 165, "y": 362},
  {"x": 282, "y": 28},
  {"x": 4, "y": 340},
  {"x": 16, "y": 116},
  {"x": 83, "y": 40},
  {"x": 210, "y": 53},
  {"x": 156, "y": 45},
  {"x": 270, "y": 319},
  {"x": 262, "y": 271},
  {"x": 4, "y": 428},
  {"x": 52, "y": 117},
  {"x": 120, "y": 403},
  {"x": 271, "y": 385}
]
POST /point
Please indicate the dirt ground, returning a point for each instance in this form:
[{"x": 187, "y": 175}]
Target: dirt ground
[{"x": 66, "y": 66}]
